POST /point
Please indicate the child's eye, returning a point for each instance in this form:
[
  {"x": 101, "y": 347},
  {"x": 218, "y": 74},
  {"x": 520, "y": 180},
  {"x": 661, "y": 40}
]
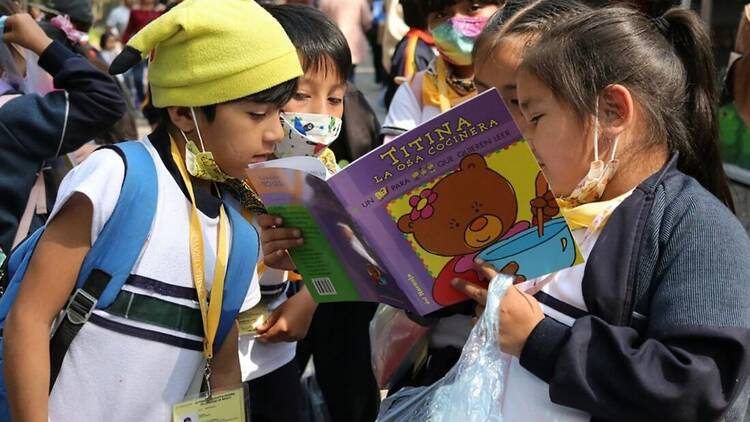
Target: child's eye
[
  {"x": 257, "y": 115},
  {"x": 475, "y": 7},
  {"x": 335, "y": 101},
  {"x": 299, "y": 96},
  {"x": 535, "y": 119}
]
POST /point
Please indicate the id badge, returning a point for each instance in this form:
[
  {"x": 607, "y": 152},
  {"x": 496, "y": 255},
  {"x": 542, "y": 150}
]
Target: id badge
[
  {"x": 254, "y": 317},
  {"x": 222, "y": 406}
]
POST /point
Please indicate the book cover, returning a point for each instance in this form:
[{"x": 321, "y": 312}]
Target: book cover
[
  {"x": 397, "y": 225},
  {"x": 454, "y": 189}
]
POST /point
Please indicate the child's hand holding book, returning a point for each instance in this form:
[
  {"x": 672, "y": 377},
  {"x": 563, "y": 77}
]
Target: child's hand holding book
[{"x": 276, "y": 241}]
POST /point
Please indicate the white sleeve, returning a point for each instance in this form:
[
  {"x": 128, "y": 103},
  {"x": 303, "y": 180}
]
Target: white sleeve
[
  {"x": 405, "y": 112},
  {"x": 100, "y": 179}
]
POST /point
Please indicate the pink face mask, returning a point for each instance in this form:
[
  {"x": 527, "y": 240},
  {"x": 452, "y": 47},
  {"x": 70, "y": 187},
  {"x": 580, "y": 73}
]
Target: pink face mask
[{"x": 455, "y": 38}]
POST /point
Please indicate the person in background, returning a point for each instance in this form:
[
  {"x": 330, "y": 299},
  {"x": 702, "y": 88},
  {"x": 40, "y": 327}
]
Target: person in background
[
  {"x": 109, "y": 48},
  {"x": 414, "y": 52},
  {"x": 118, "y": 18},
  {"x": 354, "y": 18},
  {"x": 140, "y": 15},
  {"x": 394, "y": 29},
  {"x": 449, "y": 79},
  {"x": 36, "y": 127}
]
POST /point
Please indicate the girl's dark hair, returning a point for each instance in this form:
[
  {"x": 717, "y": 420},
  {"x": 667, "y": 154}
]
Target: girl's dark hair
[
  {"x": 666, "y": 63},
  {"x": 318, "y": 40},
  {"x": 524, "y": 17},
  {"x": 432, "y": 6}
]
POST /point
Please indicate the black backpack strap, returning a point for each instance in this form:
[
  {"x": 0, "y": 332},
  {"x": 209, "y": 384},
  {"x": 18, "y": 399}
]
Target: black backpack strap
[{"x": 79, "y": 309}]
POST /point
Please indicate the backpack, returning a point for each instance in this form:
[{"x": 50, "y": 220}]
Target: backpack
[{"x": 113, "y": 255}]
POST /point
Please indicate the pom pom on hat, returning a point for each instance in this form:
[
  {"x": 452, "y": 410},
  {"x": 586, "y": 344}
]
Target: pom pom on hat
[{"x": 205, "y": 52}]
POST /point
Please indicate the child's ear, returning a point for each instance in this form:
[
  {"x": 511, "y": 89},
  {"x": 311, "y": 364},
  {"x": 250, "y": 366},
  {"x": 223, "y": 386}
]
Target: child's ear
[
  {"x": 616, "y": 110},
  {"x": 181, "y": 117}
]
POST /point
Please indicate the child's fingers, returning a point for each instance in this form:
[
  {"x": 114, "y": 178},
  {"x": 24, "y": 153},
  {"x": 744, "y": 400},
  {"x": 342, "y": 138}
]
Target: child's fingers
[
  {"x": 266, "y": 221},
  {"x": 271, "y": 235},
  {"x": 281, "y": 245},
  {"x": 487, "y": 270},
  {"x": 471, "y": 290}
]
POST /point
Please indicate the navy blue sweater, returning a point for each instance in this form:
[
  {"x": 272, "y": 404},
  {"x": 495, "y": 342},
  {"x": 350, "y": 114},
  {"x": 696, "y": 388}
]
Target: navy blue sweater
[
  {"x": 667, "y": 337},
  {"x": 31, "y": 126}
]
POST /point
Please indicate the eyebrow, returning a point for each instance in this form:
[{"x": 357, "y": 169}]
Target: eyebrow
[{"x": 510, "y": 87}]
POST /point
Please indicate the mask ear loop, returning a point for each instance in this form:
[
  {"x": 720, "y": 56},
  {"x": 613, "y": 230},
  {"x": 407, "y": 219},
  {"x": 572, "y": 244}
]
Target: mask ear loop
[
  {"x": 197, "y": 129},
  {"x": 596, "y": 130}
]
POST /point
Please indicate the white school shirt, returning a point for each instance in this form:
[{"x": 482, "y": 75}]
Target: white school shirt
[
  {"x": 110, "y": 376},
  {"x": 406, "y": 111},
  {"x": 256, "y": 358}
]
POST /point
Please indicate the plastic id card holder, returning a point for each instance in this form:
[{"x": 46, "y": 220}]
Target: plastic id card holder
[
  {"x": 250, "y": 320},
  {"x": 223, "y": 406}
]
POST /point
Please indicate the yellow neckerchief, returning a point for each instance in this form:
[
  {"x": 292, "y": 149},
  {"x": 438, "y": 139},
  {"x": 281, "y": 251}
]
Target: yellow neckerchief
[
  {"x": 436, "y": 92},
  {"x": 210, "y": 311},
  {"x": 593, "y": 215}
]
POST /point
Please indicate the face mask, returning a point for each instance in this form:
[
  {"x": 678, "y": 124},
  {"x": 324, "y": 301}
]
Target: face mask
[
  {"x": 199, "y": 162},
  {"x": 455, "y": 38},
  {"x": 591, "y": 187},
  {"x": 307, "y": 134}
]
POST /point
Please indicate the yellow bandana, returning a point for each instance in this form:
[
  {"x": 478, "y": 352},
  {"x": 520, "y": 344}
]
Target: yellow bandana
[{"x": 593, "y": 215}]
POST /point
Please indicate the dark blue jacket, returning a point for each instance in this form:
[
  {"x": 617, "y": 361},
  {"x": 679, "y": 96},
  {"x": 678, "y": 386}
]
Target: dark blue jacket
[
  {"x": 681, "y": 351},
  {"x": 31, "y": 127}
]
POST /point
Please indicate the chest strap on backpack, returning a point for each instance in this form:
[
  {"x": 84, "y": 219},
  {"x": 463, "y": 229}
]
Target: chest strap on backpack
[{"x": 80, "y": 306}]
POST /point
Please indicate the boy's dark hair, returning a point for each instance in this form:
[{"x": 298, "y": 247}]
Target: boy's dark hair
[
  {"x": 667, "y": 63},
  {"x": 319, "y": 42},
  {"x": 277, "y": 95},
  {"x": 431, "y": 6},
  {"x": 415, "y": 15},
  {"x": 523, "y": 17}
]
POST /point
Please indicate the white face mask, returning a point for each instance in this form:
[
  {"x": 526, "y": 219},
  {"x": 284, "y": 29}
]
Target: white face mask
[
  {"x": 199, "y": 162},
  {"x": 592, "y": 186},
  {"x": 307, "y": 134}
]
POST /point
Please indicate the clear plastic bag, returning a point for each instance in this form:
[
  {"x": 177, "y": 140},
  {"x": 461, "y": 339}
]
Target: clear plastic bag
[
  {"x": 472, "y": 391},
  {"x": 395, "y": 341}
]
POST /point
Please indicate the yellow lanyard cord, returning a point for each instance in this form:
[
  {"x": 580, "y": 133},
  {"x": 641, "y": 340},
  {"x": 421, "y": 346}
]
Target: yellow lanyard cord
[
  {"x": 442, "y": 84},
  {"x": 210, "y": 311}
]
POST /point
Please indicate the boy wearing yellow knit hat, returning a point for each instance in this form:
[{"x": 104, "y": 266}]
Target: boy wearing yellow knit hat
[{"x": 221, "y": 70}]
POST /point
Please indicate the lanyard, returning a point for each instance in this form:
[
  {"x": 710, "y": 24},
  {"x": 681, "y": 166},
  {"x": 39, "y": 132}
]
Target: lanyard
[
  {"x": 442, "y": 84},
  {"x": 210, "y": 311}
]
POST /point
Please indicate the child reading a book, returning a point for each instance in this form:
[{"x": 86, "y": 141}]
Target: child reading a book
[
  {"x": 341, "y": 354},
  {"x": 621, "y": 111},
  {"x": 137, "y": 360},
  {"x": 448, "y": 80}
]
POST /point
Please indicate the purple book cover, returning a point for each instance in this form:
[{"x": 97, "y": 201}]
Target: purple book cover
[{"x": 452, "y": 190}]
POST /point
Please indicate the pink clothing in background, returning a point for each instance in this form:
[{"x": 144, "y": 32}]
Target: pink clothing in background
[{"x": 354, "y": 18}]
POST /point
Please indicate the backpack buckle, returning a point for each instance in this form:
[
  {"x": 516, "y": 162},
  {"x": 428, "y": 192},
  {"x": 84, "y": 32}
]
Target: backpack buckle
[{"x": 80, "y": 306}]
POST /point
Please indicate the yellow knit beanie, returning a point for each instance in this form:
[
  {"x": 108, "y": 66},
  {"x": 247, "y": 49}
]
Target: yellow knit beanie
[{"x": 205, "y": 52}]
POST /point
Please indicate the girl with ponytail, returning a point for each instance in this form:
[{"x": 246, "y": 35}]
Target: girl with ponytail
[{"x": 620, "y": 110}]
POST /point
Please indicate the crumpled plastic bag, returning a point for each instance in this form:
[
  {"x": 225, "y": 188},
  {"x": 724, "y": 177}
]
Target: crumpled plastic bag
[{"x": 472, "y": 391}]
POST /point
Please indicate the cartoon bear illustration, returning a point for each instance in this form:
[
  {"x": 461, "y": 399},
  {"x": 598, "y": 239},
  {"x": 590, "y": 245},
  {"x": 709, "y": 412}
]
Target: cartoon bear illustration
[{"x": 465, "y": 212}]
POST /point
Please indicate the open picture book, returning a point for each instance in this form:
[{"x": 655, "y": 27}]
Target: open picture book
[{"x": 397, "y": 225}]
